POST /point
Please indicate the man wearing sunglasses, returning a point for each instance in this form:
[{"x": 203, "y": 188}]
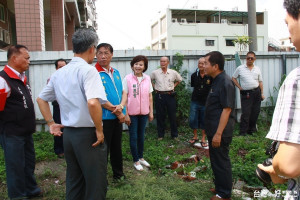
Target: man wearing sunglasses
[{"x": 251, "y": 90}]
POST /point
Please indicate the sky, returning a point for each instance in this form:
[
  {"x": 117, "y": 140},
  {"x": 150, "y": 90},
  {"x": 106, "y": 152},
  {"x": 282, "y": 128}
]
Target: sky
[{"x": 126, "y": 24}]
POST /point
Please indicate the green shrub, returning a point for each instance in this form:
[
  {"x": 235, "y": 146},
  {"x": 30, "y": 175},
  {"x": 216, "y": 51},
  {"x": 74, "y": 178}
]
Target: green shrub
[{"x": 183, "y": 95}]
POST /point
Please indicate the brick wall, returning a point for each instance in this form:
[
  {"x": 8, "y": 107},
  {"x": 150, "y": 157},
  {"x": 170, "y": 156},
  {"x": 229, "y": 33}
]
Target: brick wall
[
  {"x": 30, "y": 24},
  {"x": 58, "y": 25}
]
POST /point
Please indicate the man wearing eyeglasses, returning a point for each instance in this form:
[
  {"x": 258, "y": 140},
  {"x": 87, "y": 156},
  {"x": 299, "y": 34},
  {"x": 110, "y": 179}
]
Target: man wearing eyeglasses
[
  {"x": 113, "y": 110},
  {"x": 251, "y": 90}
]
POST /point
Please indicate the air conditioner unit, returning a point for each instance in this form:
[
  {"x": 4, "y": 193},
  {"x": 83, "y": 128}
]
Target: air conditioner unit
[
  {"x": 174, "y": 20},
  {"x": 1, "y": 34},
  {"x": 6, "y": 36},
  {"x": 183, "y": 20},
  {"x": 223, "y": 21}
]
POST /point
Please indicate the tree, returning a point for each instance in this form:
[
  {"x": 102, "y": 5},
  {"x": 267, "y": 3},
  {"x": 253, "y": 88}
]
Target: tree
[{"x": 242, "y": 41}]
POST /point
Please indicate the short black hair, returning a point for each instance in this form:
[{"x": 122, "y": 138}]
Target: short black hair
[
  {"x": 107, "y": 46},
  {"x": 292, "y": 7},
  {"x": 216, "y": 57},
  {"x": 15, "y": 49},
  {"x": 138, "y": 59},
  {"x": 251, "y": 52},
  {"x": 56, "y": 62}
]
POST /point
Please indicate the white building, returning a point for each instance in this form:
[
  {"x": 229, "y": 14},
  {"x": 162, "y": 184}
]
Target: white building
[
  {"x": 286, "y": 45},
  {"x": 214, "y": 30}
]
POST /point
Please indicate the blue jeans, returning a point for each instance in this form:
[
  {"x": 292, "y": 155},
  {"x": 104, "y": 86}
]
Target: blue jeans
[
  {"x": 196, "y": 119},
  {"x": 136, "y": 133},
  {"x": 20, "y": 164}
]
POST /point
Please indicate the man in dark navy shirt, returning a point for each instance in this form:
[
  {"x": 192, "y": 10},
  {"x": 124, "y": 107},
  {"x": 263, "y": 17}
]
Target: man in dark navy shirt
[{"x": 219, "y": 123}]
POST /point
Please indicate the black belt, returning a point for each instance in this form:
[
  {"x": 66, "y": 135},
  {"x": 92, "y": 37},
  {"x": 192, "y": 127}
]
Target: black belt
[
  {"x": 164, "y": 92},
  {"x": 252, "y": 90}
]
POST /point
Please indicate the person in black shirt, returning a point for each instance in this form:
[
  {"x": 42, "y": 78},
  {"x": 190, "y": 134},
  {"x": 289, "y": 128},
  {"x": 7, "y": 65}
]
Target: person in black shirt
[
  {"x": 219, "y": 123},
  {"x": 201, "y": 84},
  {"x": 58, "y": 140}
]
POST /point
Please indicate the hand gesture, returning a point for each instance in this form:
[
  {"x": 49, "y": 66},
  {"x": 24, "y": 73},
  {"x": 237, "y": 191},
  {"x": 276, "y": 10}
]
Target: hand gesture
[
  {"x": 127, "y": 120},
  {"x": 100, "y": 138},
  {"x": 216, "y": 141},
  {"x": 151, "y": 117},
  {"x": 55, "y": 129},
  {"x": 270, "y": 170},
  {"x": 118, "y": 110},
  {"x": 121, "y": 117}
]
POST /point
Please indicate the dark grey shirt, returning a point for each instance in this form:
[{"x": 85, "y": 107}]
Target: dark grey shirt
[{"x": 221, "y": 95}]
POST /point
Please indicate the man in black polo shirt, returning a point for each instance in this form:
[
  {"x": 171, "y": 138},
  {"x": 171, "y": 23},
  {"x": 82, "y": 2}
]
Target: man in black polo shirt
[
  {"x": 201, "y": 84},
  {"x": 219, "y": 123}
]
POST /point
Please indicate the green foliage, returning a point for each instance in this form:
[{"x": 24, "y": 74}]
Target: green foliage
[
  {"x": 183, "y": 95},
  {"x": 266, "y": 113},
  {"x": 43, "y": 143},
  {"x": 245, "y": 153},
  {"x": 242, "y": 41}
]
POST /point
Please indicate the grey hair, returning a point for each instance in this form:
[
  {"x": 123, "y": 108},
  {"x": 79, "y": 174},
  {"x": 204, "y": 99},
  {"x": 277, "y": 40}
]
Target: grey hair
[{"x": 83, "y": 39}]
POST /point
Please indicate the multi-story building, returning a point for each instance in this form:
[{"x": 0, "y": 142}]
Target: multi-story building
[
  {"x": 214, "y": 30},
  {"x": 44, "y": 25}
]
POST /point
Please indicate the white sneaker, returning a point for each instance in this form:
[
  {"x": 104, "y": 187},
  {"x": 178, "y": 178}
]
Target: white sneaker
[
  {"x": 144, "y": 162},
  {"x": 138, "y": 167}
]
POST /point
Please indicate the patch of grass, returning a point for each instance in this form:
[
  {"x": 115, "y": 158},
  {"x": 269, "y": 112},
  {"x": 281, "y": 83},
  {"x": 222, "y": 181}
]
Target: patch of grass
[
  {"x": 159, "y": 182},
  {"x": 43, "y": 144},
  {"x": 148, "y": 186}
]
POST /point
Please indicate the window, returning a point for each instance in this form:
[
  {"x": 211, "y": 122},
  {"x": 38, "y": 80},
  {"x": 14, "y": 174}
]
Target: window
[
  {"x": 163, "y": 45},
  {"x": 209, "y": 43},
  {"x": 2, "y": 14},
  {"x": 230, "y": 43}
]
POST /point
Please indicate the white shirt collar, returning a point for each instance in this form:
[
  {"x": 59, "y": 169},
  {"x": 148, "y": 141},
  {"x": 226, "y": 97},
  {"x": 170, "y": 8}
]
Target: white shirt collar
[{"x": 20, "y": 75}]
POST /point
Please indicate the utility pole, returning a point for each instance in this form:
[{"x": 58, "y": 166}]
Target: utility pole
[{"x": 252, "y": 31}]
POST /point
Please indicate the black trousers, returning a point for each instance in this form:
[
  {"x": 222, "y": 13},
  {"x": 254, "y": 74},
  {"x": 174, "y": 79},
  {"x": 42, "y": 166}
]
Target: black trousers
[
  {"x": 221, "y": 166},
  {"x": 58, "y": 140},
  {"x": 165, "y": 103},
  {"x": 112, "y": 130},
  {"x": 250, "y": 102},
  {"x": 86, "y": 165}
]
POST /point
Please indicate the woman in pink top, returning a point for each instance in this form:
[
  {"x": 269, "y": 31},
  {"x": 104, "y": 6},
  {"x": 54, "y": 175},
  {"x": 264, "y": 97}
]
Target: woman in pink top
[{"x": 138, "y": 88}]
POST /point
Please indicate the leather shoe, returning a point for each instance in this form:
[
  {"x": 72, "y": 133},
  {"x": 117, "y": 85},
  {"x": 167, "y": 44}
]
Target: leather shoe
[
  {"x": 213, "y": 190},
  {"x": 242, "y": 134},
  {"x": 40, "y": 194},
  {"x": 215, "y": 197}
]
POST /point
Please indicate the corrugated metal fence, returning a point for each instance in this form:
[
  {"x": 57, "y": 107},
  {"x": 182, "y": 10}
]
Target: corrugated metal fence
[{"x": 272, "y": 64}]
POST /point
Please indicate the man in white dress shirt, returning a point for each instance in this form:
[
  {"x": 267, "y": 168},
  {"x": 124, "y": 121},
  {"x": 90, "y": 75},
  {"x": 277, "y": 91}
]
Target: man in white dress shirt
[
  {"x": 78, "y": 90},
  {"x": 251, "y": 90}
]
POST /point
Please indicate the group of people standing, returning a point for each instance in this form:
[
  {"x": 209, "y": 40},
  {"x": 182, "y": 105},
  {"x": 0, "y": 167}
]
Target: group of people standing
[
  {"x": 91, "y": 103},
  {"x": 94, "y": 102}
]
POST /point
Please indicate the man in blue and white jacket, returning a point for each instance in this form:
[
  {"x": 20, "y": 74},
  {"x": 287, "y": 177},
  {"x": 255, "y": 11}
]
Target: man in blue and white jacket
[{"x": 113, "y": 111}]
